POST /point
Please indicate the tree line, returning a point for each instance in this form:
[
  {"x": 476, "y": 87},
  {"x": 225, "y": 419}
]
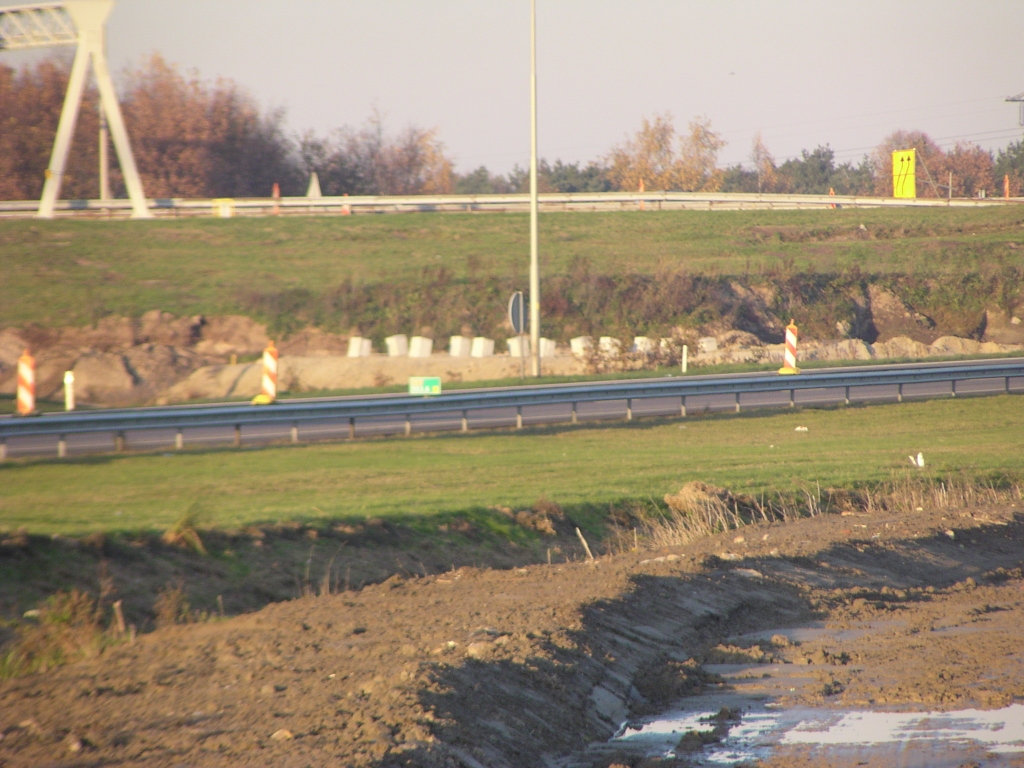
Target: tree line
[{"x": 193, "y": 138}]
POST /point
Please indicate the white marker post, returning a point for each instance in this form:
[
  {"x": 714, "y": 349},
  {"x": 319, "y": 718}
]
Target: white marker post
[
  {"x": 69, "y": 391},
  {"x": 686, "y": 353}
]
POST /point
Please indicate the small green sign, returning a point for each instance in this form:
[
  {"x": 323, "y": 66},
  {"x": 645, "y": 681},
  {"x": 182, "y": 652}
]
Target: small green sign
[{"x": 424, "y": 385}]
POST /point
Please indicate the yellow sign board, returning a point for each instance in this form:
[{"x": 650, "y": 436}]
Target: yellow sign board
[{"x": 904, "y": 180}]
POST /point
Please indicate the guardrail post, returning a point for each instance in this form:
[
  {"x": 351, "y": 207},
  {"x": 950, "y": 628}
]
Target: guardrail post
[
  {"x": 465, "y": 422},
  {"x": 119, "y": 442},
  {"x": 62, "y": 447},
  {"x": 351, "y": 427},
  {"x": 737, "y": 402},
  {"x": 238, "y": 435},
  {"x": 408, "y": 425},
  {"x": 295, "y": 433},
  {"x": 792, "y": 398},
  {"x": 953, "y": 392},
  {"x": 179, "y": 441},
  {"x": 682, "y": 406},
  {"x": 575, "y": 420},
  {"x": 629, "y": 409},
  {"x": 846, "y": 400},
  {"x": 519, "y": 417},
  {"x": 1007, "y": 385},
  {"x": 3, "y": 450}
]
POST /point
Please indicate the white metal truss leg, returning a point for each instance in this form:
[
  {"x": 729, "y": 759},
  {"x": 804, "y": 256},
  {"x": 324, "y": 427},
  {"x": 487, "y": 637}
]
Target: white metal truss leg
[{"x": 89, "y": 17}]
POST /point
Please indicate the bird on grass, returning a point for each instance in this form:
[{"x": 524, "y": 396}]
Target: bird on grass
[{"x": 917, "y": 461}]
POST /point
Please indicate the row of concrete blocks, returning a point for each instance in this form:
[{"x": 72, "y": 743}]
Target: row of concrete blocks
[
  {"x": 400, "y": 345},
  {"x": 463, "y": 346},
  {"x": 610, "y": 347}
]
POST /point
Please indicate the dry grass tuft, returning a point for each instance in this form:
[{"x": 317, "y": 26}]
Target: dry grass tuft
[
  {"x": 66, "y": 628},
  {"x": 171, "y": 607},
  {"x": 912, "y": 493},
  {"x": 699, "y": 510},
  {"x": 184, "y": 534}
]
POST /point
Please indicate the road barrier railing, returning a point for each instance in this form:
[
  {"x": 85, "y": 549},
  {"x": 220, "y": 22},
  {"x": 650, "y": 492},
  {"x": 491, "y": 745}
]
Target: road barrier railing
[
  {"x": 553, "y": 201},
  {"x": 303, "y": 412}
]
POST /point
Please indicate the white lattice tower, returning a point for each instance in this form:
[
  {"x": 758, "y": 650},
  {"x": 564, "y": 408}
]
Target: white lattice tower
[{"x": 81, "y": 23}]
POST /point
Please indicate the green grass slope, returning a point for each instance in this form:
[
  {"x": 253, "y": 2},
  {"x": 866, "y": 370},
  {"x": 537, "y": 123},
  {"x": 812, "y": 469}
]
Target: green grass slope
[{"x": 71, "y": 272}]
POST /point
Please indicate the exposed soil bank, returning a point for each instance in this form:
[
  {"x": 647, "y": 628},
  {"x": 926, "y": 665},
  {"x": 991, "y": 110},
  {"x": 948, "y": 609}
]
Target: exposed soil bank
[{"x": 529, "y": 666}]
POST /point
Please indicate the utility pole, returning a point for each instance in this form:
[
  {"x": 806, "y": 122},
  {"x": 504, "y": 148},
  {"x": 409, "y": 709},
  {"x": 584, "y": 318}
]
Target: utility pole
[
  {"x": 534, "y": 265},
  {"x": 104, "y": 161}
]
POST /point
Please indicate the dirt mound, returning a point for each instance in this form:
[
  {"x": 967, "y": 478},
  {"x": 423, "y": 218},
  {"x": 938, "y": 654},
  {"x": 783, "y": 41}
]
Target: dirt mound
[{"x": 522, "y": 667}]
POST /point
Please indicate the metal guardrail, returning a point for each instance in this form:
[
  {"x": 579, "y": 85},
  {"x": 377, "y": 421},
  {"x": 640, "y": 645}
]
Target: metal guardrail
[
  {"x": 304, "y": 412},
  {"x": 576, "y": 201}
]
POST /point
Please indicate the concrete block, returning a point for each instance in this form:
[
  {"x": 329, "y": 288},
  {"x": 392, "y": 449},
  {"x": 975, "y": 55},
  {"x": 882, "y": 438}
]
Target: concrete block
[
  {"x": 482, "y": 347},
  {"x": 707, "y": 344},
  {"x": 398, "y": 345},
  {"x": 581, "y": 345},
  {"x": 643, "y": 345},
  {"x": 460, "y": 346},
  {"x": 420, "y": 346},
  {"x": 610, "y": 346},
  {"x": 548, "y": 347},
  {"x": 359, "y": 347},
  {"x": 518, "y": 346}
]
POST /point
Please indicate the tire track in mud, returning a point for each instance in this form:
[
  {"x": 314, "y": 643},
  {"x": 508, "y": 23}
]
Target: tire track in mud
[{"x": 476, "y": 668}]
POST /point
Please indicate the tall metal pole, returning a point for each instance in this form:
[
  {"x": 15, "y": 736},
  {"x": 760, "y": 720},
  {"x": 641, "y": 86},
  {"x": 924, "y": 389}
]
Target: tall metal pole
[
  {"x": 534, "y": 266},
  {"x": 104, "y": 161}
]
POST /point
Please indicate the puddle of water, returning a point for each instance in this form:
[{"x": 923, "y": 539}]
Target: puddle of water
[
  {"x": 999, "y": 730},
  {"x": 762, "y": 730}
]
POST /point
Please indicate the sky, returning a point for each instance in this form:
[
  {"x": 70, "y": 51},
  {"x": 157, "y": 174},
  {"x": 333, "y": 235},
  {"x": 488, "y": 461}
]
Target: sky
[{"x": 836, "y": 72}]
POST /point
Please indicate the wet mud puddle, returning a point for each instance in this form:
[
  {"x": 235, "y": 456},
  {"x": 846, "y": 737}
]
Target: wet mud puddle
[
  {"x": 893, "y": 738},
  {"x": 748, "y": 722}
]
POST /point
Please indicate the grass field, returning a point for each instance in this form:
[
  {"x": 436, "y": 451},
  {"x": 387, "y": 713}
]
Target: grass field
[
  {"x": 584, "y": 469},
  {"x": 71, "y": 272}
]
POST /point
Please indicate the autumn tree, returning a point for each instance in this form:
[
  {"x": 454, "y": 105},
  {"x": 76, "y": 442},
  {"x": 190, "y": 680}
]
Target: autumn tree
[
  {"x": 371, "y": 162},
  {"x": 650, "y": 157},
  {"x": 697, "y": 168},
  {"x": 30, "y": 104},
  {"x": 192, "y": 139},
  {"x": 971, "y": 169},
  {"x": 764, "y": 165}
]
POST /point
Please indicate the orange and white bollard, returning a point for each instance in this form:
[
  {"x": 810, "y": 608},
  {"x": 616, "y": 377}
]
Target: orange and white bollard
[
  {"x": 26, "y": 384},
  {"x": 831, "y": 193},
  {"x": 269, "y": 386},
  {"x": 346, "y": 209},
  {"x": 275, "y": 193},
  {"x": 1006, "y": 186},
  {"x": 790, "y": 354}
]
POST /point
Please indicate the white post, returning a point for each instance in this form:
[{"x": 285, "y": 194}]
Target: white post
[
  {"x": 104, "y": 160},
  {"x": 534, "y": 265},
  {"x": 69, "y": 391},
  {"x": 89, "y": 17},
  {"x": 686, "y": 351}
]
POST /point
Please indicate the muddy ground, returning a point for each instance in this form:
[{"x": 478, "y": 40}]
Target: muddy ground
[{"x": 540, "y": 665}]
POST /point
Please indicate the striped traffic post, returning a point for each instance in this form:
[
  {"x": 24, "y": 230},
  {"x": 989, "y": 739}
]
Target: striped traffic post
[
  {"x": 789, "y": 365},
  {"x": 26, "y": 384},
  {"x": 268, "y": 387}
]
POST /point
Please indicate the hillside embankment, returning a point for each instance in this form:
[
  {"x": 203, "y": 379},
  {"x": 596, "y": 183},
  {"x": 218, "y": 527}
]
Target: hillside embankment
[
  {"x": 532, "y": 665},
  {"x": 160, "y": 358}
]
